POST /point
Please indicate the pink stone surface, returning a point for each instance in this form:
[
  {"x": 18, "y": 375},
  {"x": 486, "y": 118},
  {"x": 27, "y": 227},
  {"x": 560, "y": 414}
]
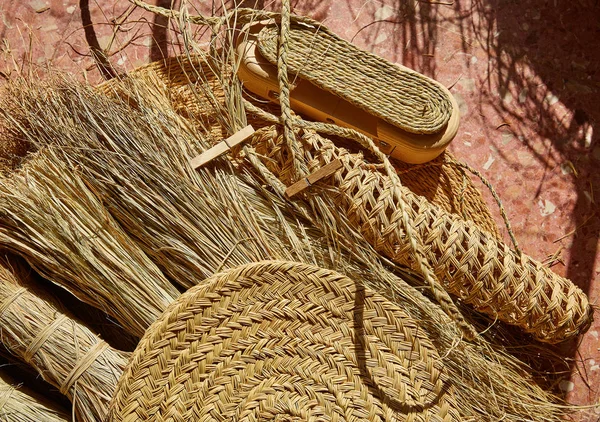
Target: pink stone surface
[{"x": 526, "y": 74}]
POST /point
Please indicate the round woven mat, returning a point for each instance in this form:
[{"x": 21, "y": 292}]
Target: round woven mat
[{"x": 284, "y": 341}]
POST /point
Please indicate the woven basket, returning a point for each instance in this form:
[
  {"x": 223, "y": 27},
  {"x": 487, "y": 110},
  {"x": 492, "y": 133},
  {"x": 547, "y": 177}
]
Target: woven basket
[
  {"x": 439, "y": 182},
  {"x": 471, "y": 264},
  {"x": 284, "y": 341}
]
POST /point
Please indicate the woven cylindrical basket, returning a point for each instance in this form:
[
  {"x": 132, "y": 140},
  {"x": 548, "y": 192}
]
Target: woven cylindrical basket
[
  {"x": 284, "y": 341},
  {"x": 470, "y": 263}
]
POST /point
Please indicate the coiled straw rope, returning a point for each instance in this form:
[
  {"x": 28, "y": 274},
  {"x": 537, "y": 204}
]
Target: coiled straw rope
[
  {"x": 280, "y": 340},
  {"x": 405, "y": 99}
]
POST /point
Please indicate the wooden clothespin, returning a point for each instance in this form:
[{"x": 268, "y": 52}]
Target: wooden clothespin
[
  {"x": 326, "y": 170},
  {"x": 222, "y": 147}
]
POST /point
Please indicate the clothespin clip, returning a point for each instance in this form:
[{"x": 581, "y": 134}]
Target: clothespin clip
[
  {"x": 326, "y": 170},
  {"x": 222, "y": 147}
]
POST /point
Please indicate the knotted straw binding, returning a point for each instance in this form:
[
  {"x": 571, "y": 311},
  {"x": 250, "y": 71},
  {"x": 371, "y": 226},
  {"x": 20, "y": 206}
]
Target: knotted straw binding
[
  {"x": 401, "y": 97},
  {"x": 284, "y": 341},
  {"x": 470, "y": 264}
]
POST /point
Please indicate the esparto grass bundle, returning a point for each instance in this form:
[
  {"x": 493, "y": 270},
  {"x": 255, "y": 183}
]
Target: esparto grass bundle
[
  {"x": 65, "y": 352},
  {"x": 490, "y": 383},
  {"x": 50, "y": 217},
  {"x": 19, "y": 404},
  {"x": 135, "y": 159}
]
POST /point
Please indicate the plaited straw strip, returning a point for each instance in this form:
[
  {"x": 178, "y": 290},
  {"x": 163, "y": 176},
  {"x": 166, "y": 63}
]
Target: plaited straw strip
[
  {"x": 71, "y": 357},
  {"x": 279, "y": 340},
  {"x": 470, "y": 263},
  {"x": 439, "y": 181},
  {"x": 401, "y": 97},
  {"x": 19, "y": 404}
]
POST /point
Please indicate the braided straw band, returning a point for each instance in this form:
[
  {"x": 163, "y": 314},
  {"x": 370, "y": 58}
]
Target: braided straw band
[
  {"x": 470, "y": 264},
  {"x": 399, "y": 96},
  {"x": 279, "y": 340}
]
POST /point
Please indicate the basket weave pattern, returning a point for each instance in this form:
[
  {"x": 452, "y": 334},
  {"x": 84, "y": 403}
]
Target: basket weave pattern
[
  {"x": 284, "y": 341},
  {"x": 471, "y": 264}
]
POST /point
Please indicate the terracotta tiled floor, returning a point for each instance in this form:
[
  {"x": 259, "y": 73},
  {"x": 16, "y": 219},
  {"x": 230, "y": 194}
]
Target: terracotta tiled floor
[{"x": 526, "y": 74}]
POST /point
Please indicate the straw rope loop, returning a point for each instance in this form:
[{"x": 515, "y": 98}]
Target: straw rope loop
[
  {"x": 279, "y": 340},
  {"x": 284, "y": 91}
]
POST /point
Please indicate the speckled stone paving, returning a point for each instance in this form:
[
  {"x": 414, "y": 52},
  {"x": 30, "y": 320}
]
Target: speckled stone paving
[{"x": 526, "y": 74}]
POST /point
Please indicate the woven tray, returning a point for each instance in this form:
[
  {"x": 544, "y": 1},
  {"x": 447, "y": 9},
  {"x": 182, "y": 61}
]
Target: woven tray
[{"x": 284, "y": 341}]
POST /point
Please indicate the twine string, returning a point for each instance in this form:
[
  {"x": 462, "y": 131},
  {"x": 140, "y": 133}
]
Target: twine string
[
  {"x": 42, "y": 337},
  {"x": 82, "y": 365},
  {"x": 10, "y": 299}
]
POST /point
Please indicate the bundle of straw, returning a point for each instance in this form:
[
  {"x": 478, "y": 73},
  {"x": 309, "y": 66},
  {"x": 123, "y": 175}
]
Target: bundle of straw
[
  {"x": 50, "y": 217},
  {"x": 136, "y": 158},
  {"x": 65, "y": 352},
  {"x": 19, "y": 404}
]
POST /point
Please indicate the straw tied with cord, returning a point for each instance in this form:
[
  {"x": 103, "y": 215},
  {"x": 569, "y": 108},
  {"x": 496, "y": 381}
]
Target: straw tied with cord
[
  {"x": 146, "y": 165},
  {"x": 493, "y": 386},
  {"x": 67, "y": 354}
]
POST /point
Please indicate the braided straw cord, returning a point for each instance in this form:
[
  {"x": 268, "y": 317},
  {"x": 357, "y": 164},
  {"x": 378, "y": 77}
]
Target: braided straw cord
[
  {"x": 401, "y": 97},
  {"x": 471, "y": 264},
  {"x": 19, "y": 404},
  {"x": 65, "y": 353},
  {"x": 278, "y": 340}
]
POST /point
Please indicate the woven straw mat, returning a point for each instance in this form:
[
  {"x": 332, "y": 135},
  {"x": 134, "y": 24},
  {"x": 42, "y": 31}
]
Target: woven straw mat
[
  {"x": 438, "y": 181},
  {"x": 284, "y": 341}
]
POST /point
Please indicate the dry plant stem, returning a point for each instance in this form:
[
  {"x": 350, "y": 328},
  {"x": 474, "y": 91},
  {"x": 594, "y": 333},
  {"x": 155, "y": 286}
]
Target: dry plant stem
[
  {"x": 136, "y": 160},
  {"x": 64, "y": 351},
  {"x": 50, "y": 217},
  {"x": 19, "y": 404}
]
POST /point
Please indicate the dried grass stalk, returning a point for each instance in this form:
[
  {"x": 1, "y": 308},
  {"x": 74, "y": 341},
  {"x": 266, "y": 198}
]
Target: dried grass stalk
[
  {"x": 135, "y": 157},
  {"x": 67, "y": 354},
  {"x": 19, "y": 404},
  {"x": 50, "y": 217}
]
